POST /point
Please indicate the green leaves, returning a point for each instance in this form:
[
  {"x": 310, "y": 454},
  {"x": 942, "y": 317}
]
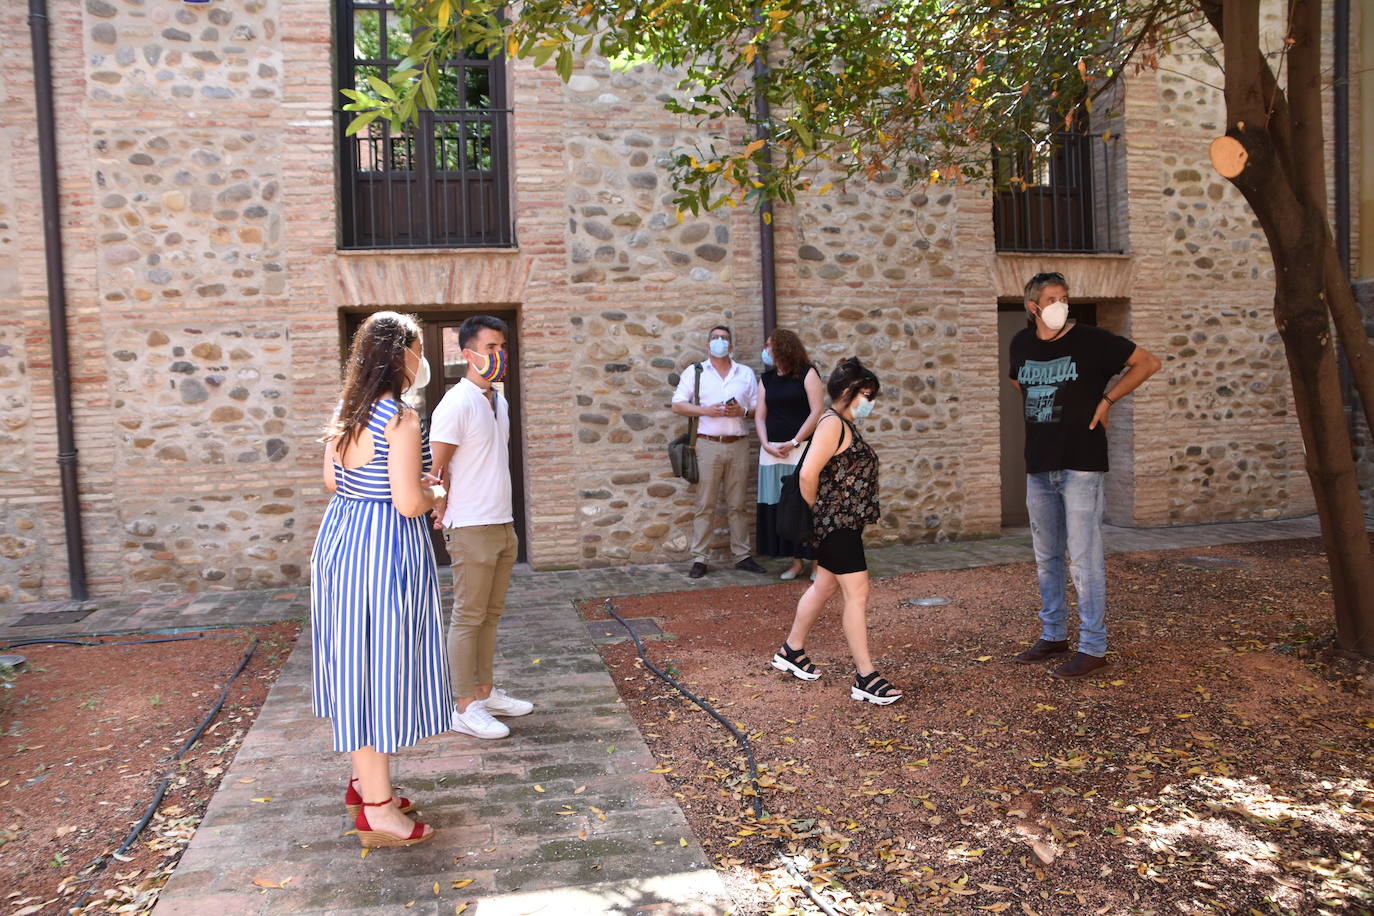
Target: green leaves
[
  {"x": 856, "y": 87},
  {"x": 383, "y": 89}
]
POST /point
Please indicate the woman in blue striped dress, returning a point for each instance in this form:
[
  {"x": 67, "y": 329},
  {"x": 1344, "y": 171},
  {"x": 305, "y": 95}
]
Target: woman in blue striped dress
[{"x": 380, "y": 670}]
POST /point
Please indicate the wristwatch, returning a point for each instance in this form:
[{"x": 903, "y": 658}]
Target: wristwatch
[{"x": 796, "y": 444}]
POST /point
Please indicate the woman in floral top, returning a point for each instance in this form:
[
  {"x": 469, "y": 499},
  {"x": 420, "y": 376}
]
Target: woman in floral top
[{"x": 839, "y": 478}]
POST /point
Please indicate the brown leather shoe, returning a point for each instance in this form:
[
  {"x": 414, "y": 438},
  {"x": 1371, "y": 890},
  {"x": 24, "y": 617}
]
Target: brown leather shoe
[
  {"x": 1042, "y": 650},
  {"x": 1079, "y": 665}
]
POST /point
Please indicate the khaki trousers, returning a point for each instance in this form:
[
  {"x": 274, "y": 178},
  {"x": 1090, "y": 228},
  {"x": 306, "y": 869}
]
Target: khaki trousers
[
  {"x": 722, "y": 466},
  {"x": 483, "y": 556}
]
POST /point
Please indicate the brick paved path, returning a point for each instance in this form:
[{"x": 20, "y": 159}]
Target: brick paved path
[{"x": 495, "y": 828}]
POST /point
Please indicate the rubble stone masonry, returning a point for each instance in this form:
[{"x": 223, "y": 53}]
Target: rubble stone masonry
[{"x": 207, "y": 296}]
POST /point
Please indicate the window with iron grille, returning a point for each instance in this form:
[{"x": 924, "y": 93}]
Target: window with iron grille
[
  {"x": 441, "y": 182},
  {"x": 1068, "y": 198}
]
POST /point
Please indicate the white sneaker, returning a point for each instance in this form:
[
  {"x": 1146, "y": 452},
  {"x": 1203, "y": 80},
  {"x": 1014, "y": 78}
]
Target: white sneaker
[
  {"x": 502, "y": 704},
  {"x": 476, "y": 721}
]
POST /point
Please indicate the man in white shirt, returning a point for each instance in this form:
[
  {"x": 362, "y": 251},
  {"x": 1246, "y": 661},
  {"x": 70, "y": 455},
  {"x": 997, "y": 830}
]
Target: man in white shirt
[
  {"x": 729, "y": 392},
  {"x": 470, "y": 438}
]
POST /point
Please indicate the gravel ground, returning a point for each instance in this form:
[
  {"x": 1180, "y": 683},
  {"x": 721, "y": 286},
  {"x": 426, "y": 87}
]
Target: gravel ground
[{"x": 1221, "y": 764}]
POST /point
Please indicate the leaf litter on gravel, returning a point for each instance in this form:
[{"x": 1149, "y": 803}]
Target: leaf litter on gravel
[{"x": 1224, "y": 762}]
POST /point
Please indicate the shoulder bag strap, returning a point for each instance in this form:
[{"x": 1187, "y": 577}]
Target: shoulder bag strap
[
  {"x": 696, "y": 399},
  {"x": 813, "y": 435}
]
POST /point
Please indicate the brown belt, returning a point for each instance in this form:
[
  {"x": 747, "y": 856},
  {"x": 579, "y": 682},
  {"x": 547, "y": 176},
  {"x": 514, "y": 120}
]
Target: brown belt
[{"x": 725, "y": 439}]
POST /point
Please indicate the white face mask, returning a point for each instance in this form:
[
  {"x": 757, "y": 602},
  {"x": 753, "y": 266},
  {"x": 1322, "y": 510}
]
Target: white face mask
[
  {"x": 416, "y": 389},
  {"x": 720, "y": 347},
  {"x": 862, "y": 407},
  {"x": 1055, "y": 315}
]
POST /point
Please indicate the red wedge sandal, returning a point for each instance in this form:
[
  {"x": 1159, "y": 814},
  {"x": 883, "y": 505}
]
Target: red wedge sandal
[
  {"x": 354, "y": 800},
  {"x": 373, "y": 838}
]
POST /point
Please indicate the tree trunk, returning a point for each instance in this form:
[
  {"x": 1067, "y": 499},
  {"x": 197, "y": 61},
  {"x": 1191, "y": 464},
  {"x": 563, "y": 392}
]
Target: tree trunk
[
  {"x": 1359, "y": 354},
  {"x": 1305, "y": 328},
  {"x": 1284, "y": 183}
]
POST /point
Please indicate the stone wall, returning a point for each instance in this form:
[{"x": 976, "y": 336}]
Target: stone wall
[
  {"x": 183, "y": 55},
  {"x": 187, "y": 215},
  {"x": 206, "y": 292},
  {"x": 20, "y": 569},
  {"x": 190, "y": 437},
  {"x": 209, "y": 405},
  {"x": 1233, "y": 449},
  {"x": 900, "y": 277}
]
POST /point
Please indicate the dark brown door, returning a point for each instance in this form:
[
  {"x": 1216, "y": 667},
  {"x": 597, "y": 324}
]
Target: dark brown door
[{"x": 446, "y": 369}]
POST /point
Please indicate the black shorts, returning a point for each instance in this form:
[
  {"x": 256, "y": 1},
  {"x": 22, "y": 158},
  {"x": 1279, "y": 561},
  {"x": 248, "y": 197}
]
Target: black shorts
[{"x": 842, "y": 552}]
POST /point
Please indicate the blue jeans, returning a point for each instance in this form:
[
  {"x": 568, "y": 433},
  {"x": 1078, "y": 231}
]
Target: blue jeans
[{"x": 1066, "y": 525}]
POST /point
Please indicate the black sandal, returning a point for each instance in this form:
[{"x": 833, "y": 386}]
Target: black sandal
[
  {"x": 795, "y": 663},
  {"x": 872, "y": 688}
]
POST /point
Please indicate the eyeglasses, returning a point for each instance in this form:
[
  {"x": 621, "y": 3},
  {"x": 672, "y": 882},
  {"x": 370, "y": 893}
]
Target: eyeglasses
[{"x": 1052, "y": 277}]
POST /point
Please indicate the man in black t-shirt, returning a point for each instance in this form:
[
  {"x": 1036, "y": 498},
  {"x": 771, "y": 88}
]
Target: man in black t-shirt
[{"x": 1062, "y": 370}]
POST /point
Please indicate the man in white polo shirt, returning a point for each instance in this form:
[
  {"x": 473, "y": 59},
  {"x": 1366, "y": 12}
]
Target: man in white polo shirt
[
  {"x": 729, "y": 391},
  {"x": 470, "y": 438}
]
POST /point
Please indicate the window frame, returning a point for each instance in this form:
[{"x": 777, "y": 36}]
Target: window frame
[{"x": 425, "y": 205}]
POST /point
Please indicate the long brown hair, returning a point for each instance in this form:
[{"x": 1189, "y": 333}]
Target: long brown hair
[
  {"x": 376, "y": 369},
  {"x": 789, "y": 353}
]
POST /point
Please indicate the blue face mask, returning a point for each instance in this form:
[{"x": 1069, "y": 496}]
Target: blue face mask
[
  {"x": 767, "y": 359},
  {"x": 862, "y": 407},
  {"x": 720, "y": 347}
]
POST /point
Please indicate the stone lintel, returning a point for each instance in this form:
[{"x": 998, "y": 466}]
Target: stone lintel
[
  {"x": 1090, "y": 276},
  {"x": 418, "y": 278}
]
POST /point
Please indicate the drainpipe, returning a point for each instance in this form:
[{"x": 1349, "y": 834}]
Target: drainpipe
[
  {"x": 763, "y": 131},
  {"x": 57, "y": 301},
  {"x": 1341, "y": 115}
]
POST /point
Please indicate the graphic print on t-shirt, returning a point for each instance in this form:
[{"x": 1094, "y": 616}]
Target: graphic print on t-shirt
[{"x": 1041, "y": 382}]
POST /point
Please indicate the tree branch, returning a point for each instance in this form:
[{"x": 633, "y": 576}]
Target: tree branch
[
  {"x": 1240, "y": 38},
  {"x": 1305, "y": 105}
]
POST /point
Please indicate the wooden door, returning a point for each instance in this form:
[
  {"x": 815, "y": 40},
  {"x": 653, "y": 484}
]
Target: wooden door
[{"x": 440, "y": 332}]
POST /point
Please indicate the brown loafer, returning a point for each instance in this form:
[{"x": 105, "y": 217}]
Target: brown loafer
[
  {"x": 1042, "y": 650},
  {"x": 1079, "y": 665}
]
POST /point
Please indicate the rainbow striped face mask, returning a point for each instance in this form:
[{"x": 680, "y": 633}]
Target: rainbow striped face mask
[{"x": 491, "y": 368}]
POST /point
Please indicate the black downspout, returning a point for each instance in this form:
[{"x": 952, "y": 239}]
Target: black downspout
[
  {"x": 1341, "y": 113},
  {"x": 763, "y": 131},
  {"x": 57, "y": 301}
]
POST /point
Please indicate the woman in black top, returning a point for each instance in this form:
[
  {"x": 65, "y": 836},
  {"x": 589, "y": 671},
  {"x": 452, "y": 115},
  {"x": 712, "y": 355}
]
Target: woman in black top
[
  {"x": 791, "y": 404},
  {"x": 839, "y": 478}
]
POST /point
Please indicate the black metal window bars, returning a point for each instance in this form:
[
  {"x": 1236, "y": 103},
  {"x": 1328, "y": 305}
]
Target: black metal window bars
[
  {"x": 440, "y": 183},
  {"x": 1070, "y": 201}
]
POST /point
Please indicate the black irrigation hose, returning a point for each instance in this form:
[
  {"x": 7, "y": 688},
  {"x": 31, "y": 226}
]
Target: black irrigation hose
[
  {"x": 219, "y": 704},
  {"x": 43, "y": 642},
  {"x": 73, "y": 641},
  {"x": 99, "y": 864},
  {"x": 743, "y": 740}
]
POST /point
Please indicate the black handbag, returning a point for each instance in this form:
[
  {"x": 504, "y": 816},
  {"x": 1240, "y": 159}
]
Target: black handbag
[
  {"x": 793, "y": 518},
  {"x": 682, "y": 451}
]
